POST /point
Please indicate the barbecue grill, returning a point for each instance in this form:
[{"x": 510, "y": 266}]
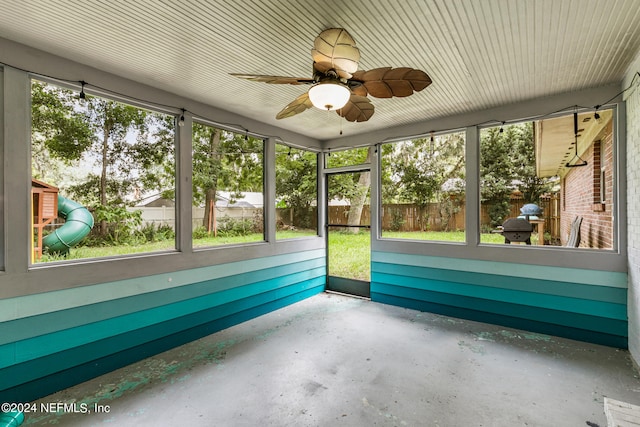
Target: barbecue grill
[
  {"x": 530, "y": 211},
  {"x": 517, "y": 230}
]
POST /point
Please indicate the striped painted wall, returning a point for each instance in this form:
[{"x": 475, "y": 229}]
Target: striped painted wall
[
  {"x": 58, "y": 339},
  {"x": 585, "y": 305}
]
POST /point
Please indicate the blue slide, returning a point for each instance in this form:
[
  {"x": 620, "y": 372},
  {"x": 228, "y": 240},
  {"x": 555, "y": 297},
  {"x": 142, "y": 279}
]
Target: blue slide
[{"x": 78, "y": 224}]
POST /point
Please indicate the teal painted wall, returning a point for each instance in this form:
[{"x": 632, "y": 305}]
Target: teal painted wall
[
  {"x": 65, "y": 337},
  {"x": 586, "y": 305}
]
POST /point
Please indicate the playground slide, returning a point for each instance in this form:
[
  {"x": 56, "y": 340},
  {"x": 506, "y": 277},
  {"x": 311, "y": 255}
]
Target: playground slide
[{"x": 79, "y": 222}]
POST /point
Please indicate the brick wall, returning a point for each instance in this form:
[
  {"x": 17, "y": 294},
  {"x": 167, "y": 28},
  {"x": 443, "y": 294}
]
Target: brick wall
[{"x": 582, "y": 195}]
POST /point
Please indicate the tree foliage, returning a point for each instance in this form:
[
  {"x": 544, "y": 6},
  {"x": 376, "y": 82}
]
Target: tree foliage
[
  {"x": 123, "y": 148},
  {"x": 345, "y": 186},
  {"x": 60, "y": 132},
  {"x": 507, "y": 164},
  {"x": 296, "y": 181},
  {"x": 423, "y": 171},
  {"x": 352, "y": 187},
  {"x": 224, "y": 160},
  {"x": 127, "y": 150}
]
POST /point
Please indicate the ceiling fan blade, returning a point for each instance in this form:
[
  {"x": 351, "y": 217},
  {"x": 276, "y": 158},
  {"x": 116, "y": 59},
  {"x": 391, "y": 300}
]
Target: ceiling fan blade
[
  {"x": 358, "y": 89},
  {"x": 335, "y": 49},
  {"x": 358, "y": 109},
  {"x": 283, "y": 80},
  {"x": 386, "y": 82},
  {"x": 297, "y": 106}
]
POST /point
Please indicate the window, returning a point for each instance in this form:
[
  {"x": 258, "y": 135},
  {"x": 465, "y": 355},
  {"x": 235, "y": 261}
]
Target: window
[
  {"x": 348, "y": 194},
  {"x": 599, "y": 177},
  {"x": 102, "y": 176},
  {"x": 228, "y": 183},
  {"x": 544, "y": 173},
  {"x": 296, "y": 193},
  {"x": 603, "y": 187},
  {"x": 423, "y": 188}
]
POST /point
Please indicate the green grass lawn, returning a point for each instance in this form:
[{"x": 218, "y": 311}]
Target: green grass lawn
[
  {"x": 349, "y": 254},
  {"x": 294, "y": 234},
  {"x": 84, "y": 252},
  {"x": 448, "y": 236},
  {"x": 217, "y": 241}
]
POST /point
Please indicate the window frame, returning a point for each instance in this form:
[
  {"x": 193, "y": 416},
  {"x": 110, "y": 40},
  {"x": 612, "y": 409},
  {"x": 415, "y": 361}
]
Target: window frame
[
  {"x": 461, "y": 131},
  {"x": 266, "y": 165},
  {"x": 603, "y": 185},
  {"x": 616, "y": 237},
  {"x": 589, "y": 259},
  {"x": 133, "y": 102},
  {"x": 19, "y": 278},
  {"x": 316, "y": 171}
]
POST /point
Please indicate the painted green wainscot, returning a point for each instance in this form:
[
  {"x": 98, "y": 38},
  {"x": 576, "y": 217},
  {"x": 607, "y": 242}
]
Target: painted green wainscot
[
  {"x": 59, "y": 339},
  {"x": 585, "y": 305}
]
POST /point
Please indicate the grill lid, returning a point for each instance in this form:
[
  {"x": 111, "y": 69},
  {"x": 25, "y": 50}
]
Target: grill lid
[
  {"x": 530, "y": 209},
  {"x": 517, "y": 224}
]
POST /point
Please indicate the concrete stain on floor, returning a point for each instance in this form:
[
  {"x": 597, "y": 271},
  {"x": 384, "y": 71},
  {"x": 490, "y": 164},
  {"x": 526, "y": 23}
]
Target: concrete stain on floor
[
  {"x": 382, "y": 412},
  {"x": 334, "y": 360},
  {"x": 158, "y": 369},
  {"x": 475, "y": 348}
]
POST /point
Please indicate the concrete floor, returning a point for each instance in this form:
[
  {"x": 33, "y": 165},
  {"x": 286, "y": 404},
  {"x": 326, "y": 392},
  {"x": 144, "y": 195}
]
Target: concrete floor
[{"x": 333, "y": 360}]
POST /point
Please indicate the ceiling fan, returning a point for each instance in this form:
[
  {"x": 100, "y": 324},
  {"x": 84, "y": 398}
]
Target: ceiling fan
[{"x": 338, "y": 85}]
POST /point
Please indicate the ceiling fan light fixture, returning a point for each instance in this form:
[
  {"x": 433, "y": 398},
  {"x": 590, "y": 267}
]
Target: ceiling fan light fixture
[{"x": 329, "y": 95}]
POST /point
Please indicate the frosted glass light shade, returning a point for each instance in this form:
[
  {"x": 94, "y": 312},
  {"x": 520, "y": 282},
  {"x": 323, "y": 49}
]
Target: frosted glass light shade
[{"x": 329, "y": 95}]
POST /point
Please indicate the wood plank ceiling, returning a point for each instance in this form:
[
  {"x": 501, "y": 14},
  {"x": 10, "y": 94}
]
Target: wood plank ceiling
[{"x": 479, "y": 53}]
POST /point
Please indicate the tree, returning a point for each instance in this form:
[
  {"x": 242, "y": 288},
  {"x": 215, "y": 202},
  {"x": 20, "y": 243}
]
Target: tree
[
  {"x": 206, "y": 168},
  {"x": 529, "y": 183},
  {"x": 496, "y": 176},
  {"x": 223, "y": 160},
  {"x": 360, "y": 194},
  {"x": 423, "y": 171},
  {"x": 296, "y": 182},
  {"x": 508, "y": 164},
  {"x": 123, "y": 147},
  {"x": 111, "y": 122},
  {"x": 60, "y": 132},
  {"x": 351, "y": 187}
]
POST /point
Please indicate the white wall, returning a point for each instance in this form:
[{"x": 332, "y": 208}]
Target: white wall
[
  {"x": 166, "y": 215},
  {"x": 632, "y": 98}
]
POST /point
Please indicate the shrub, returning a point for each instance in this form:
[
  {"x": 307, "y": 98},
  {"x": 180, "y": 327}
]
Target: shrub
[
  {"x": 499, "y": 212},
  {"x": 152, "y": 233},
  {"x": 397, "y": 219},
  {"x": 231, "y": 227},
  {"x": 201, "y": 233},
  {"x": 121, "y": 227}
]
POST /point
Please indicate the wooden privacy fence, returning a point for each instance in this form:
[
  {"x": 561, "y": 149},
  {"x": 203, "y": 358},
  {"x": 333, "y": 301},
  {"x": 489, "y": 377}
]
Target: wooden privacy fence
[
  {"x": 404, "y": 217},
  {"x": 448, "y": 216},
  {"x": 432, "y": 217},
  {"x": 550, "y": 205}
]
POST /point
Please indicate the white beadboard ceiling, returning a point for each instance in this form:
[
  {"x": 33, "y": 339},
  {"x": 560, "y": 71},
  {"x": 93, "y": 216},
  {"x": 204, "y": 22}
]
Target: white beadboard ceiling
[{"x": 479, "y": 53}]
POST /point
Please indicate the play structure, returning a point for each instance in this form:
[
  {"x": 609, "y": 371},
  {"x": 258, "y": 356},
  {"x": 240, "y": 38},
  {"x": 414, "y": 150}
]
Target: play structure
[{"x": 48, "y": 205}]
